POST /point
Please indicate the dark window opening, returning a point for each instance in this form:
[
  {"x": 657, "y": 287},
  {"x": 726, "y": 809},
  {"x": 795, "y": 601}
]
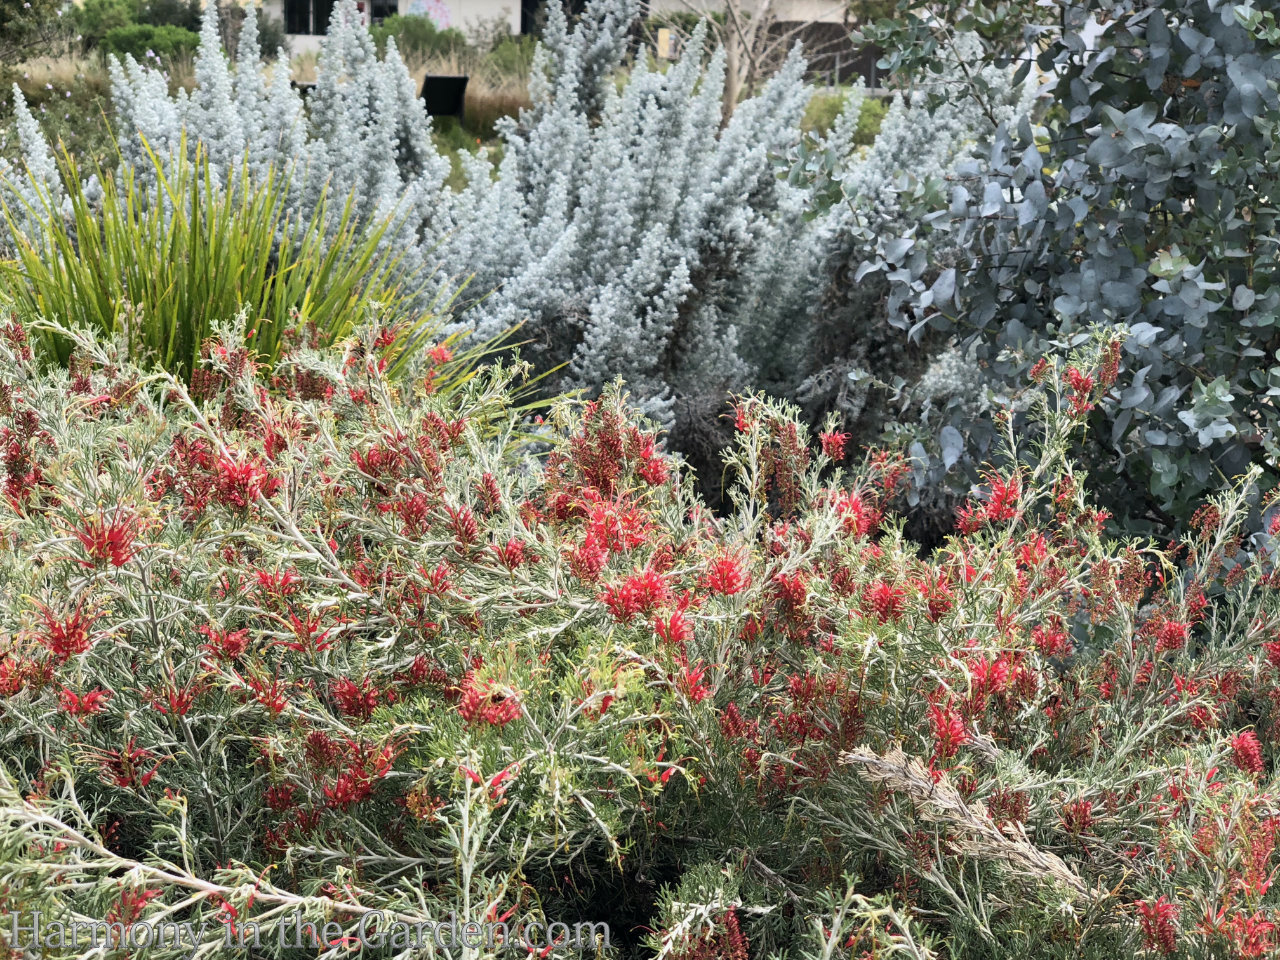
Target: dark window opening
[
  {"x": 307, "y": 16},
  {"x": 529, "y": 15}
]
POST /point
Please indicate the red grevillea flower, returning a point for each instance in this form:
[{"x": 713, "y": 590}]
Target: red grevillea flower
[
  {"x": 734, "y": 943},
  {"x": 309, "y": 634},
  {"x": 239, "y": 481},
  {"x": 365, "y": 765},
  {"x": 511, "y": 554},
  {"x": 1171, "y": 635},
  {"x": 689, "y": 681},
  {"x": 174, "y": 700},
  {"x": 1002, "y": 505},
  {"x": 355, "y": 700},
  {"x": 654, "y": 471},
  {"x": 1077, "y": 816},
  {"x": 273, "y": 694},
  {"x": 857, "y": 517},
  {"x": 1159, "y": 920},
  {"x": 640, "y": 593},
  {"x": 1082, "y": 386},
  {"x": 1051, "y": 639},
  {"x": 280, "y": 797},
  {"x": 588, "y": 558},
  {"x": 1252, "y": 936},
  {"x": 725, "y": 576},
  {"x": 1247, "y": 752},
  {"x": 675, "y": 629},
  {"x": 226, "y": 645},
  {"x": 83, "y": 705},
  {"x": 937, "y": 596},
  {"x": 465, "y": 528},
  {"x": 833, "y": 444},
  {"x": 124, "y": 767},
  {"x": 67, "y": 637},
  {"x": 130, "y": 906},
  {"x": 483, "y": 701},
  {"x": 351, "y": 787},
  {"x": 617, "y": 525},
  {"x": 791, "y": 592},
  {"x": 969, "y": 518},
  {"x": 886, "y": 601},
  {"x": 108, "y": 539},
  {"x": 949, "y": 734}
]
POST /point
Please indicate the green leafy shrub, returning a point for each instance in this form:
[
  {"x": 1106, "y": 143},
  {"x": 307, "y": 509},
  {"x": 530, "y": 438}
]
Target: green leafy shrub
[
  {"x": 29, "y": 29},
  {"x": 682, "y": 21},
  {"x": 94, "y": 19},
  {"x": 486, "y": 107},
  {"x": 870, "y": 117},
  {"x": 232, "y": 17},
  {"x": 512, "y": 56},
  {"x": 823, "y": 110},
  {"x": 1145, "y": 201},
  {"x": 159, "y": 260},
  {"x": 177, "y": 13},
  {"x": 418, "y": 37},
  {"x": 271, "y": 36},
  {"x": 73, "y": 103},
  {"x": 143, "y": 41}
]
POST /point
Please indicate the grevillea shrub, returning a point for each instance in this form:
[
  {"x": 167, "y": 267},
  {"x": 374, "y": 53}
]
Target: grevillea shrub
[{"x": 330, "y": 643}]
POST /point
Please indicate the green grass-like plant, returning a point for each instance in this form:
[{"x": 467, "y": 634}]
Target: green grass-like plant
[{"x": 161, "y": 259}]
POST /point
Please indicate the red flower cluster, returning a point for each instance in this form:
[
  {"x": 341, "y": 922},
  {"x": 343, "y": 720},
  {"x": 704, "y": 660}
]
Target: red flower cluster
[
  {"x": 485, "y": 702},
  {"x": 639, "y": 594},
  {"x": 67, "y": 636},
  {"x": 108, "y": 539},
  {"x": 833, "y": 444},
  {"x": 887, "y": 601},
  {"x": 240, "y": 479},
  {"x": 1246, "y": 750},
  {"x": 1159, "y": 919},
  {"x": 1001, "y": 505},
  {"x": 725, "y": 576},
  {"x": 83, "y": 705},
  {"x": 227, "y": 645},
  {"x": 357, "y": 700},
  {"x": 949, "y": 733},
  {"x": 726, "y": 942}
]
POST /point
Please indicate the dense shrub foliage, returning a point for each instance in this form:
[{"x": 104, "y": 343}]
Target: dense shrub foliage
[
  {"x": 328, "y": 612},
  {"x": 28, "y": 28},
  {"x": 127, "y": 26},
  {"x": 417, "y": 36},
  {"x": 142, "y": 40},
  {"x": 338, "y": 644},
  {"x": 627, "y": 232},
  {"x": 1144, "y": 200}
]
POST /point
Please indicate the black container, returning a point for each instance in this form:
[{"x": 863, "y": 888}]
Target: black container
[{"x": 445, "y": 95}]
